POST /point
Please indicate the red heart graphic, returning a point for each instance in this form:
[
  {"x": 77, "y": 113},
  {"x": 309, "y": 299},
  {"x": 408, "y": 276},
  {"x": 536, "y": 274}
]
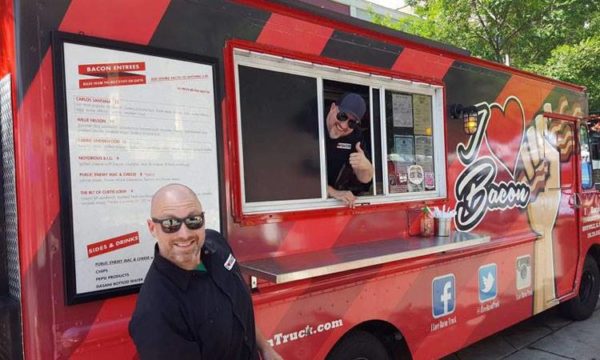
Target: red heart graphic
[{"x": 505, "y": 132}]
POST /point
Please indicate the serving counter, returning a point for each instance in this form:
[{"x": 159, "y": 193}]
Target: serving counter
[{"x": 337, "y": 259}]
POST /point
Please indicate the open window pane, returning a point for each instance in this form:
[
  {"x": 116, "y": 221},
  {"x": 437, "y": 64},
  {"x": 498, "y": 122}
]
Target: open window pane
[{"x": 342, "y": 140}]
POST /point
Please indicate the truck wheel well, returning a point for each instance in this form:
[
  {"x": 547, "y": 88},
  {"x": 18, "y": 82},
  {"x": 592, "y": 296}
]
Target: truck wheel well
[
  {"x": 595, "y": 253},
  {"x": 389, "y": 336}
]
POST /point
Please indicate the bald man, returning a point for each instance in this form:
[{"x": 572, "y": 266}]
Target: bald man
[{"x": 194, "y": 303}]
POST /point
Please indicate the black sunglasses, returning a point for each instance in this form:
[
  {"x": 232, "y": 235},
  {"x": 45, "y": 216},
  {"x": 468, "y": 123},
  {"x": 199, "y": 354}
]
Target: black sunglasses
[
  {"x": 173, "y": 224},
  {"x": 352, "y": 124}
]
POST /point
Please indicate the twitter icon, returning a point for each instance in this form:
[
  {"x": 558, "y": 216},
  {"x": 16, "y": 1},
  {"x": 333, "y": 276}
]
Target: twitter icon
[{"x": 488, "y": 281}]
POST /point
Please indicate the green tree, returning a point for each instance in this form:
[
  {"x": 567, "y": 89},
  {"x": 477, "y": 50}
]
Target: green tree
[
  {"x": 526, "y": 31},
  {"x": 556, "y": 38},
  {"x": 577, "y": 64}
]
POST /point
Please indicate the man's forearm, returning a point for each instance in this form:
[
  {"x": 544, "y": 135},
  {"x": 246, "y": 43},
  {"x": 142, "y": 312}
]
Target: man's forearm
[
  {"x": 330, "y": 191},
  {"x": 260, "y": 339},
  {"x": 265, "y": 349},
  {"x": 364, "y": 175}
]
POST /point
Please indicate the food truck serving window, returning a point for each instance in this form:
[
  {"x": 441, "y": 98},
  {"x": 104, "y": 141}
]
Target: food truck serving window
[{"x": 290, "y": 152}]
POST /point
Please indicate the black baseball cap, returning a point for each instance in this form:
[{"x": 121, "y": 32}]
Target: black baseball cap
[{"x": 353, "y": 104}]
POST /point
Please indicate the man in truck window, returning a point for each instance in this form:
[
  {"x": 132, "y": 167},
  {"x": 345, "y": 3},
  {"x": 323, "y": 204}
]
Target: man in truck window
[
  {"x": 349, "y": 171},
  {"x": 194, "y": 303}
]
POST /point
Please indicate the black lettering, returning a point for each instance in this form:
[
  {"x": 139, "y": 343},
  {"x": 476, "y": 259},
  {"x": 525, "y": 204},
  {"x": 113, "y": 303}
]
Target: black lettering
[{"x": 477, "y": 193}]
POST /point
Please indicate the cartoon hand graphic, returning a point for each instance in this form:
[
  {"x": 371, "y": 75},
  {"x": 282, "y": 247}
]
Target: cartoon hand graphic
[{"x": 541, "y": 162}]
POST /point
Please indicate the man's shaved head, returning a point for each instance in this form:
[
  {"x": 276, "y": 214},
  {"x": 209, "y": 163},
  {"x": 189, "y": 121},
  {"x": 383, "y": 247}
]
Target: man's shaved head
[
  {"x": 176, "y": 202},
  {"x": 173, "y": 190}
]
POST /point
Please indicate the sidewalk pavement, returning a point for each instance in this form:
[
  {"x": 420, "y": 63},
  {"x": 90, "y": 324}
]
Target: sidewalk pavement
[{"x": 545, "y": 336}]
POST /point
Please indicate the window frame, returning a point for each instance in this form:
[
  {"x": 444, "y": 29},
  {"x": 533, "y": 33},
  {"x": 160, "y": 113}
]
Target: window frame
[
  {"x": 438, "y": 137},
  {"x": 590, "y": 125},
  {"x": 322, "y": 71},
  {"x": 582, "y": 126}
]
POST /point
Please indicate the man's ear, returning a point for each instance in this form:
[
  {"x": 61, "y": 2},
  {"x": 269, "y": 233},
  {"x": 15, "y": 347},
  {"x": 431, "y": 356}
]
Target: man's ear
[{"x": 151, "y": 227}]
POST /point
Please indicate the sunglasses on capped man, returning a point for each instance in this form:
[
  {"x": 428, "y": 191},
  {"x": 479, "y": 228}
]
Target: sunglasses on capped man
[
  {"x": 352, "y": 123},
  {"x": 173, "y": 224}
]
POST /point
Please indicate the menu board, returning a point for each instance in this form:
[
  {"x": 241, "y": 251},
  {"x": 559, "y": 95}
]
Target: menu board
[
  {"x": 134, "y": 122},
  {"x": 402, "y": 110},
  {"x": 422, "y": 114},
  {"x": 424, "y": 158},
  {"x": 404, "y": 148}
]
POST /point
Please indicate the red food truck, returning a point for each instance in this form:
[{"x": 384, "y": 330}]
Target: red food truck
[{"x": 104, "y": 102}]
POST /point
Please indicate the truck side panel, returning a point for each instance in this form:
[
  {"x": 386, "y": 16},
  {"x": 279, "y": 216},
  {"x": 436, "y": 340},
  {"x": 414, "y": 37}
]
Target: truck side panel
[
  {"x": 307, "y": 325},
  {"x": 400, "y": 293}
]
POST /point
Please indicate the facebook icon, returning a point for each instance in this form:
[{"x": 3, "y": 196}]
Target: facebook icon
[{"x": 443, "y": 295}]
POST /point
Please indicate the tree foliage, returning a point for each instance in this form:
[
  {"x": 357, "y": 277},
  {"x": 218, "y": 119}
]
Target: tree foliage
[
  {"x": 529, "y": 32},
  {"x": 526, "y": 31},
  {"x": 577, "y": 64}
]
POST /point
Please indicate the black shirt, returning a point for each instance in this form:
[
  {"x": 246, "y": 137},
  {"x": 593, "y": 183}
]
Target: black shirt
[
  {"x": 340, "y": 175},
  {"x": 190, "y": 314}
]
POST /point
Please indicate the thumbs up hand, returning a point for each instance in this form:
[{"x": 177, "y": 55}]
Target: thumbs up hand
[
  {"x": 359, "y": 148},
  {"x": 359, "y": 161}
]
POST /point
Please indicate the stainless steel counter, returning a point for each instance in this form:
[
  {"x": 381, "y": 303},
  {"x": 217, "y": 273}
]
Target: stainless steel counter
[{"x": 329, "y": 261}]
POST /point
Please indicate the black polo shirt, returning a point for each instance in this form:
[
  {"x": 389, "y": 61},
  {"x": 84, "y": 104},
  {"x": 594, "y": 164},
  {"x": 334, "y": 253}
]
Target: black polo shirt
[
  {"x": 182, "y": 314},
  {"x": 340, "y": 174}
]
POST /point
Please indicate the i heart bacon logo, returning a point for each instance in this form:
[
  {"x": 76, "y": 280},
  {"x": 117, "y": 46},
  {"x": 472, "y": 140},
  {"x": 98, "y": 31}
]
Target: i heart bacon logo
[
  {"x": 505, "y": 132},
  {"x": 478, "y": 189},
  {"x": 482, "y": 185}
]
